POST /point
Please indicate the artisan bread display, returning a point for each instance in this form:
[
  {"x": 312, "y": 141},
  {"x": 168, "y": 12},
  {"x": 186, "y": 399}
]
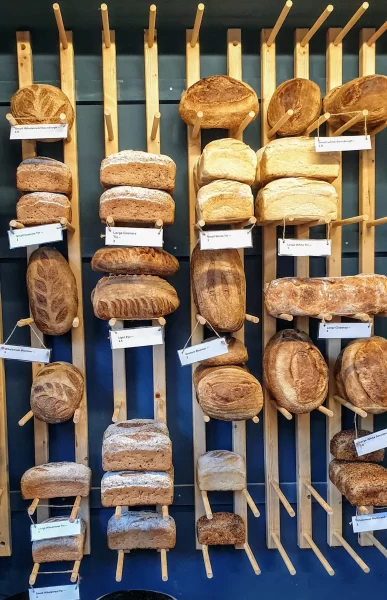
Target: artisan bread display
[
  {"x": 139, "y": 169},
  {"x": 56, "y": 480},
  {"x": 219, "y": 288},
  {"x": 296, "y": 199},
  {"x": 135, "y": 261},
  {"x": 363, "y": 93},
  {"x": 52, "y": 291},
  {"x": 236, "y": 355},
  {"x": 134, "y": 488},
  {"x": 342, "y": 296},
  {"x": 42, "y": 174},
  {"x": 303, "y": 97},
  {"x": 41, "y": 103},
  {"x": 223, "y": 201},
  {"x": 58, "y": 549},
  {"x": 133, "y": 297},
  {"x": 223, "y": 529},
  {"x": 342, "y": 447},
  {"x": 363, "y": 484},
  {"x": 143, "y": 530},
  {"x": 42, "y": 208},
  {"x": 221, "y": 470},
  {"x": 129, "y": 205},
  {"x": 226, "y": 159},
  {"x": 224, "y": 101}
]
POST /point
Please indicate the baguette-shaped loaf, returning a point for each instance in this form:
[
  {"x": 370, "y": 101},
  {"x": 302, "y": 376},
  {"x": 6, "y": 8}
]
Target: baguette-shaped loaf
[
  {"x": 42, "y": 208},
  {"x": 221, "y": 470},
  {"x": 59, "y": 549},
  {"x": 42, "y": 174},
  {"x": 130, "y": 205},
  {"x": 224, "y": 101},
  {"x": 236, "y": 355},
  {"x": 303, "y": 97},
  {"x": 134, "y": 488},
  {"x": 133, "y": 425},
  {"x": 223, "y": 201},
  {"x": 56, "y": 392},
  {"x": 52, "y": 291},
  {"x": 366, "y": 293},
  {"x": 296, "y": 199},
  {"x": 133, "y": 297},
  {"x": 56, "y": 480},
  {"x": 222, "y": 530},
  {"x": 363, "y": 484},
  {"x": 226, "y": 159},
  {"x": 219, "y": 288},
  {"x": 342, "y": 447},
  {"x": 140, "y": 169},
  {"x": 143, "y": 530},
  {"x": 41, "y": 103},
  {"x": 134, "y": 261}
]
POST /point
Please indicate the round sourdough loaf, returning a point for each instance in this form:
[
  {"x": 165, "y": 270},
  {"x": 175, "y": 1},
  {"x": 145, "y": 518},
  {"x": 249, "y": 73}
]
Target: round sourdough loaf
[
  {"x": 303, "y": 97},
  {"x": 135, "y": 261},
  {"x": 236, "y": 355},
  {"x": 42, "y": 174},
  {"x": 41, "y": 103},
  {"x": 42, "y": 208},
  {"x": 222, "y": 530},
  {"x": 56, "y": 392}
]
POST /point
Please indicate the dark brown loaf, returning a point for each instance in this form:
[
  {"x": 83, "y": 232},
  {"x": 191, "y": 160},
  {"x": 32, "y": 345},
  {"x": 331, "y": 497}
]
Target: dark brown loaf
[
  {"x": 224, "y": 101},
  {"x": 363, "y": 484},
  {"x": 59, "y": 549},
  {"x": 236, "y": 355},
  {"x": 129, "y": 205},
  {"x": 42, "y": 208},
  {"x": 135, "y": 261},
  {"x": 41, "y": 103},
  {"x": 52, "y": 291},
  {"x": 142, "y": 169},
  {"x": 141, "y": 530},
  {"x": 42, "y": 174},
  {"x": 343, "y": 448},
  {"x": 56, "y": 480},
  {"x": 56, "y": 392},
  {"x": 303, "y": 97},
  {"x": 222, "y": 530}
]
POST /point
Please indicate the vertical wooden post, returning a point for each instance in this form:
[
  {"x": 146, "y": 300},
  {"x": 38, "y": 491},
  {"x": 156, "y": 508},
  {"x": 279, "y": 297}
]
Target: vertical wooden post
[{"x": 5, "y": 505}]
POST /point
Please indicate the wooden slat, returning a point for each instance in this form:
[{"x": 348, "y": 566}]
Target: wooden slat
[
  {"x": 70, "y": 152},
  {"x": 5, "y": 506}
]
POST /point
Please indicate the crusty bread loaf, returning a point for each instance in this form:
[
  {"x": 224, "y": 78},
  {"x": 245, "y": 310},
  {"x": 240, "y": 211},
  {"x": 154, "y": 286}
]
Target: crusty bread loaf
[
  {"x": 42, "y": 208},
  {"x": 134, "y": 261},
  {"x": 140, "y": 169},
  {"x": 369, "y": 92},
  {"x": 129, "y": 205},
  {"x": 219, "y": 288},
  {"x": 56, "y": 392},
  {"x": 296, "y": 199},
  {"x": 228, "y": 393},
  {"x": 145, "y": 530},
  {"x": 363, "y": 484},
  {"x": 222, "y": 530},
  {"x": 221, "y": 470},
  {"x": 295, "y": 157},
  {"x": 236, "y": 355},
  {"x": 59, "y": 549},
  {"x": 224, "y": 201},
  {"x": 134, "y": 488},
  {"x": 42, "y": 174},
  {"x": 226, "y": 159},
  {"x": 303, "y": 97},
  {"x": 366, "y": 293},
  {"x": 52, "y": 291},
  {"x": 295, "y": 372},
  {"x": 342, "y": 447},
  {"x": 133, "y": 297},
  {"x": 41, "y": 103},
  {"x": 56, "y": 480},
  {"x": 224, "y": 101},
  {"x": 133, "y": 425}
]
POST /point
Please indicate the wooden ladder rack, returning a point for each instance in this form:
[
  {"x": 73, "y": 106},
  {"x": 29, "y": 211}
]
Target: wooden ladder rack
[{"x": 5, "y": 500}]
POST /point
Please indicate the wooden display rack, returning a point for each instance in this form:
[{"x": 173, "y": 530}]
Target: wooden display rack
[{"x": 5, "y": 501}]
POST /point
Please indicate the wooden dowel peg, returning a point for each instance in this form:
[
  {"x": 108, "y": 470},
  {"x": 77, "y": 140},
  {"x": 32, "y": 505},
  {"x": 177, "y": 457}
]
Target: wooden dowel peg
[
  {"x": 350, "y": 23},
  {"x": 252, "y": 319},
  {"x": 11, "y": 119},
  {"x": 201, "y": 320},
  {"x": 200, "y": 224},
  {"x": 251, "y": 558},
  {"x": 255, "y": 419},
  {"x": 196, "y": 27},
  {"x": 109, "y": 124},
  {"x": 317, "y": 123},
  {"x": 77, "y": 416},
  {"x": 246, "y": 121},
  {"x": 251, "y": 503},
  {"x": 325, "y": 411},
  {"x": 376, "y": 543},
  {"x": 207, "y": 506},
  {"x": 110, "y": 221},
  {"x": 377, "y": 34},
  {"x": 155, "y": 125},
  {"x": 32, "y": 507},
  {"x": 1, "y": 492},
  {"x": 207, "y": 563},
  {"x": 164, "y": 564},
  {"x": 355, "y": 409},
  {"x": 161, "y": 321},
  {"x": 282, "y": 410},
  {"x": 63, "y": 118},
  {"x": 118, "y": 512},
  {"x": 285, "y": 317},
  {"x": 196, "y": 127},
  {"x": 328, "y": 509},
  {"x": 206, "y": 418},
  {"x": 365, "y": 568},
  {"x": 324, "y": 317},
  {"x": 75, "y": 322},
  {"x": 324, "y": 15},
  {"x": 120, "y": 565},
  {"x": 26, "y": 418},
  {"x": 75, "y": 510},
  {"x": 34, "y": 574},
  {"x": 319, "y": 554},
  {"x": 374, "y": 223},
  {"x": 75, "y": 571},
  {"x": 280, "y": 20},
  {"x": 112, "y": 322},
  {"x": 105, "y": 26},
  {"x": 248, "y": 223},
  {"x": 16, "y": 224},
  {"x": 361, "y": 115},
  {"x": 349, "y": 221},
  {"x": 24, "y": 322},
  {"x": 61, "y": 28},
  {"x": 379, "y": 129},
  {"x": 66, "y": 225},
  {"x": 116, "y": 412},
  {"x": 363, "y": 510},
  {"x": 361, "y": 317},
  {"x": 152, "y": 25},
  {"x": 285, "y": 503},
  {"x": 283, "y": 554},
  {"x": 289, "y": 113},
  {"x": 164, "y": 512},
  {"x": 159, "y": 223}
]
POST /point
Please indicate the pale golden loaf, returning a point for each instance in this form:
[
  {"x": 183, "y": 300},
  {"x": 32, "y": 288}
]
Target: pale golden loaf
[
  {"x": 363, "y": 484},
  {"x": 222, "y": 530},
  {"x": 69, "y": 548},
  {"x": 41, "y": 103},
  {"x": 342, "y": 447},
  {"x": 141, "y": 530},
  {"x": 236, "y": 355},
  {"x": 119, "y": 260},
  {"x": 223, "y": 201},
  {"x": 140, "y": 169},
  {"x": 56, "y": 480},
  {"x": 221, "y": 470},
  {"x": 134, "y": 488},
  {"x": 224, "y": 101},
  {"x": 42, "y": 174},
  {"x": 226, "y": 159},
  {"x": 42, "y": 208},
  {"x": 130, "y": 205},
  {"x": 303, "y": 97}
]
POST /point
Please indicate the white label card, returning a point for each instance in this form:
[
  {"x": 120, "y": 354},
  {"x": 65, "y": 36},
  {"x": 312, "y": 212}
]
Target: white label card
[
  {"x": 342, "y": 143},
  {"x": 62, "y": 592},
  {"x": 374, "y": 522},
  {"x": 207, "y": 349},
  {"x": 290, "y": 247},
  {"x": 31, "y": 236},
  {"x": 55, "y": 529},
  {"x": 134, "y": 236},
  {"x": 54, "y": 131},
  {"x": 331, "y": 331},
  {"x": 222, "y": 240},
  {"x": 370, "y": 443},
  {"x": 25, "y": 353},
  {"x": 136, "y": 337}
]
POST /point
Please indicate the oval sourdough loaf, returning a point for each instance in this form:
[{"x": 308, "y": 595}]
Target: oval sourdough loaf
[
  {"x": 41, "y": 208},
  {"x": 363, "y": 484},
  {"x": 140, "y": 169},
  {"x": 41, "y": 103},
  {"x": 56, "y": 392},
  {"x": 342, "y": 447},
  {"x": 224, "y": 101},
  {"x": 369, "y": 92},
  {"x": 221, "y": 470},
  {"x": 236, "y": 355},
  {"x": 295, "y": 372},
  {"x": 135, "y": 261},
  {"x": 222, "y": 530},
  {"x": 141, "y": 529},
  {"x": 226, "y": 159},
  {"x": 55, "y": 480},
  {"x": 130, "y": 205},
  {"x": 134, "y": 488},
  {"x": 59, "y": 549},
  {"x": 52, "y": 291},
  {"x": 303, "y": 97},
  {"x": 224, "y": 201},
  {"x": 219, "y": 288},
  {"x": 132, "y": 425},
  {"x": 42, "y": 174},
  {"x": 133, "y": 297}
]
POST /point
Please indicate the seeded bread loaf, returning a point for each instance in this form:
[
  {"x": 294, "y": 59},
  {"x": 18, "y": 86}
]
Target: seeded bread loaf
[
  {"x": 134, "y": 488},
  {"x": 221, "y": 470},
  {"x": 41, "y": 103},
  {"x": 56, "y": 480},
  {"x": 59, "y": 549},
  {"x": 223, "y": 201},
  {"x": 129, "y": 205},
  {"x": 343, "y": 448},
  {"x": 134, "y": 261},
  {"x": 226, "y": 159},
  {"x": 42, "y": 174},
  {"x": 140, "y": 169},
  {"x": 363, "y": 484},
  {"x": 42, "y": 208},
  {"x": 222, "y": 530},
  {"x": 145, "y": 530},
  {"x": 303, "y": 97},
  {"x": 236, "y": 355}
]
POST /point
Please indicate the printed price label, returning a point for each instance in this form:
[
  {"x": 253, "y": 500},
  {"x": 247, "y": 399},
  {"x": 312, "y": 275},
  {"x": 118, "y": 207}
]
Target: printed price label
[
  {"x": 342, "y": 143},
  {"x": 63, "y": 592},
  {"x": 134, "y": 236},
  {"x": 374, "y": 522},
  {"x": 136, "y": 337},
  {"x": 54, "y": 131},
  {"x": 222, "y": 240},
  {"x": 370, "y": 443},
  {"x": 344, "y": 330},
  {"x": 55, "y": 529},
  {"x": 25, "y": 353},
  {"x": 207, "y": 349},
  {"x": 30, "y": 236},
  {"x": 304, "y": 247}
]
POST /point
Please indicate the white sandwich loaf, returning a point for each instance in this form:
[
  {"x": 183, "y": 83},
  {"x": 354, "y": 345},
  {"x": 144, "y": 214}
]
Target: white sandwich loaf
[
  {"x": 226, "y": 159},
  {"x": 224, "y": 201},
  {"x": 221, "y": 470}
]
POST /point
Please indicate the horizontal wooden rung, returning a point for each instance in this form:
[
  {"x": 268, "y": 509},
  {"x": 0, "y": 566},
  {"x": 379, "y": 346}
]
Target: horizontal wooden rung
[{"x": 355, "y": 409}]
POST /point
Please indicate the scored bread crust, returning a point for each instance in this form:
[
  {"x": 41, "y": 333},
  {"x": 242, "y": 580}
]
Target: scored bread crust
[
  {"x": 136, "y": 205},
  {"x": 303, "y": 97},
  {"x": 42, "y": 208},
  {"x": 135, "y": 261},
  {"x": 134, "y": 488},
  {"x": 140, "y": 169},
  {"x": 142, "y": 530},
  {"x": 223, "y": 201},
  {"x": 222, "y": 530},
  {"x": 227, "y": 159},
  {"x": 41, "y": 103},
  {"x": 363, "y": 484},
  {"x": 70, "y": 547},
  {"x": 221, "y": 470},
  {"x": 342, "y": 447},
  {"x": 236, "y": 355},
  {"x": 55, "y": 480},
  {"x": 42, "y": 174}
]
